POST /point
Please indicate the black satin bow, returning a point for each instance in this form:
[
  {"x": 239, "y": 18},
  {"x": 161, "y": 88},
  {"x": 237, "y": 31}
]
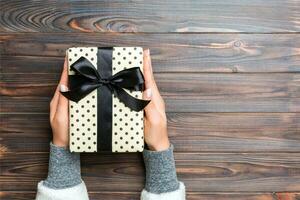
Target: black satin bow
[{"x": 90, "y": 79}]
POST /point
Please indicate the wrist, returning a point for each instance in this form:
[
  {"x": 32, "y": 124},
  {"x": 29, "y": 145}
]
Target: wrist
[
  {"x": 160, "y": 146},
  {"x": 59, "y": 143},
  {"x": 157, "y": 138},
  {"x": 60, "y": 138}
]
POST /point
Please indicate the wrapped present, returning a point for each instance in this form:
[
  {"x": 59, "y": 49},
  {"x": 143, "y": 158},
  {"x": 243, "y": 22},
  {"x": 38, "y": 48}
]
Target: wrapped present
[{"x": 105, "y": 99}]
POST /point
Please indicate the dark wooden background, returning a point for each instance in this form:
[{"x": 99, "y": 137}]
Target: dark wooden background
[{"x": 228, "y": 71}]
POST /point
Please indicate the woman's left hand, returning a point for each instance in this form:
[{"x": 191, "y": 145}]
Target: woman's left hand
[{"x": 59, "y": 111}]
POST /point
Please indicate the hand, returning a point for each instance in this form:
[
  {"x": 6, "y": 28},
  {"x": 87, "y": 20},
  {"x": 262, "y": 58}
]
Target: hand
[
  {"x": 59, "y": 112},
  {"x": 155, "y": 122}
]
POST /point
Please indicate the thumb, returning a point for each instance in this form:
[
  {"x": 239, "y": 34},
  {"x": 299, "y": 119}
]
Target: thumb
[{"x": 147, "y": 94}]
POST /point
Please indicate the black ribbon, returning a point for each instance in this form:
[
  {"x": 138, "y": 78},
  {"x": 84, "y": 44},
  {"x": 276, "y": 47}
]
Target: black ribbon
[{"x": 87, "y": 79}]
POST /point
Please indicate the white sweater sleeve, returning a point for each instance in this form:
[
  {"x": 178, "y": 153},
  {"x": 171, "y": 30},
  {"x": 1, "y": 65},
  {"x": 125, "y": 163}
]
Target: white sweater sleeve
[
  {"x": 178, "y": 194},
  {"x": 77, "y": 192}
]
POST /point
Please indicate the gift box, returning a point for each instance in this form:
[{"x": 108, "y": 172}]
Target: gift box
[{"x": 105, "y": 99}]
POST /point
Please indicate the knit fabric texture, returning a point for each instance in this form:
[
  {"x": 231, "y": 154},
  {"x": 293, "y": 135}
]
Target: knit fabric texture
[
  {"x": 160, "y": 171},
  {"x": 64, "y": 168}
]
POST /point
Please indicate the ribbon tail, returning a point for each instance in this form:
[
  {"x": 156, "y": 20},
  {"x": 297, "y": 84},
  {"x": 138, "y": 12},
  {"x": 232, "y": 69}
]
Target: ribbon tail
[{"x": 128, "y": 100}]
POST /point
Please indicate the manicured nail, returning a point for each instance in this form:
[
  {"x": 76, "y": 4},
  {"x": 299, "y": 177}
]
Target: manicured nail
[
  {"x": 147, "y": 52},
  {"x": 63, "y": 88},
  {"x": 149, "y": 93}
]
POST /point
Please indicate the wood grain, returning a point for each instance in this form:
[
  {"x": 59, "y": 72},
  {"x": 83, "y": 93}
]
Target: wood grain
[
  {"x": 194, "y": 93},
  {"x": 22, "y": 195},
  {"x": 150, "y": 16},
  {"x": 228, "y": 71},
  {"x": 230, "y": 53},
  {"x": 201, "y": 172},
  {"x": 189, "y": 132}
]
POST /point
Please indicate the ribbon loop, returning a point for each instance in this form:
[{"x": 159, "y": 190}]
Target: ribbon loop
[{"x": 90, "y": 79}]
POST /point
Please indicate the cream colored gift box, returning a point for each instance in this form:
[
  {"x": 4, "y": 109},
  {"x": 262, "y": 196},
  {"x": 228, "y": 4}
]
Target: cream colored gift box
[{"x": 127, "y": 134}]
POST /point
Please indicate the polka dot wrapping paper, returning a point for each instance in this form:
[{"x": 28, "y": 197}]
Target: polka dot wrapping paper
[{"x": 99, "y": 122}]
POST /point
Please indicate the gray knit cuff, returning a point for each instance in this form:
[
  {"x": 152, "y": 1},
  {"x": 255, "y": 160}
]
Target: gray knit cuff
[
  {"x": 64, "y": 168},
  {"x": 160, "y": 171}
]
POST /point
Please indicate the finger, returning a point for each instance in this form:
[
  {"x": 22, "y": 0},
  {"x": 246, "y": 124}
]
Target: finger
[
  {"x": 147, "y": 70},
  {"x": 151, "y": 76},
  {"x": 149, "y": 83},
  {"x": 54, "y": 101},
  {"x": 64, "y": 74},
  {"x": 147, "y": 94},
  {"x": 62, "y": 110},
  {"x": 62, "y": 106}
]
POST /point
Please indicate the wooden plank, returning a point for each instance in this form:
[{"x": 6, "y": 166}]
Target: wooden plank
[
  {"x": 193, "y": 132},
  {"x": 207, "y": 172},
  {"x": 227, "y": 53},
  {"x": 30, "y": 64},
  {"x": 183, "y": 92},
  {"x": 22, "y": 195},
  {"x": 288, "y": 196},
  {"x": 37, "y": 105},
  {"x": 233, "y": 118},
  {"x": 245, "y": 196},
  {"x": 150, "y": 16}
]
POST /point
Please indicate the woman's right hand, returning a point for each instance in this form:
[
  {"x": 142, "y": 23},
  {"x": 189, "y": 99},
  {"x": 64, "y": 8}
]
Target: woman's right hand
[{"x": 155, "y": 121}]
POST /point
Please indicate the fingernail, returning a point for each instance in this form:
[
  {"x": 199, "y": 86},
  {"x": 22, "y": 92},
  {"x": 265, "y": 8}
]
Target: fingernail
[
  {"x": 147, "y": 52},
  {"x": 149, "y": 93},
  {"x": 63, "y": 88}
]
